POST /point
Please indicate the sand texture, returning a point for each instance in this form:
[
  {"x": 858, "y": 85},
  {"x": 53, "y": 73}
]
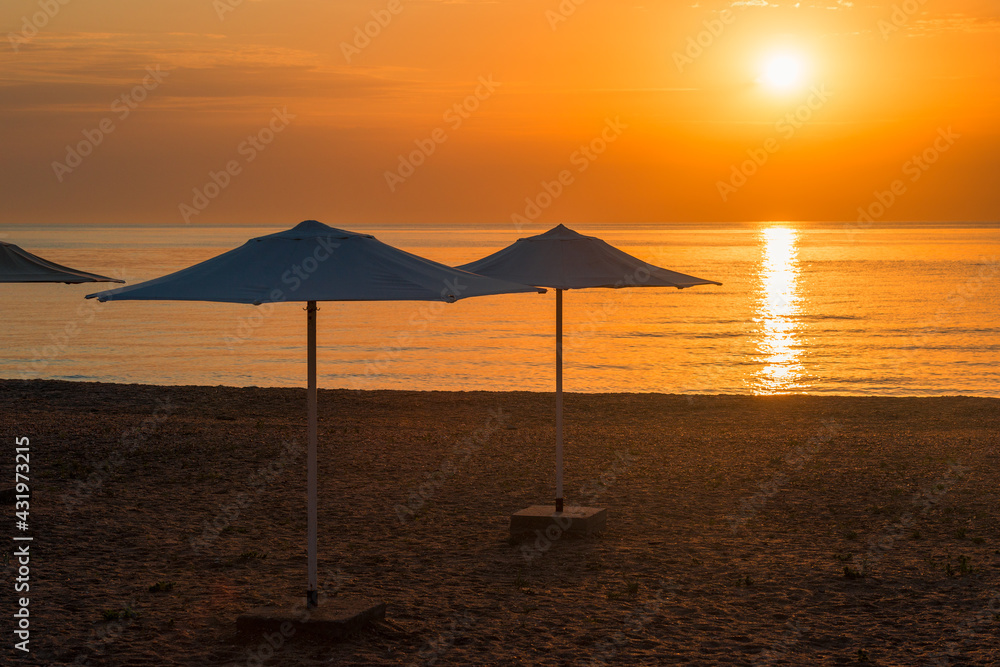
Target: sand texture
[{"x": 741, "y": 530}]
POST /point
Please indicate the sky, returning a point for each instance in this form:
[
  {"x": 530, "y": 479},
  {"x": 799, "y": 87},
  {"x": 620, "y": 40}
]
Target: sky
[{"x": 267, "y": 112}]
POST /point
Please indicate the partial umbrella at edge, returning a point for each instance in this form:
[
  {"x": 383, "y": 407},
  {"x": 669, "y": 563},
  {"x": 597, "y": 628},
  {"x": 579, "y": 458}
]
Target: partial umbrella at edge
[
  {"x": 314, "y": 262},
  {"x": 17, "y": 265},
  {"x": 564, "y": 259}
]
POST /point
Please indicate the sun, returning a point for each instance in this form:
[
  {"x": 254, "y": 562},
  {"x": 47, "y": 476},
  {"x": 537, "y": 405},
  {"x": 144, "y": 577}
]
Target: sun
[{"x": 782, "y": 71}]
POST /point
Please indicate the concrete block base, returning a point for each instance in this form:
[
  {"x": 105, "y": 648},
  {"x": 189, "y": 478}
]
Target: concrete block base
[
  {"x": 334, "y": 618},
  {"x": 573, "y": 520}
]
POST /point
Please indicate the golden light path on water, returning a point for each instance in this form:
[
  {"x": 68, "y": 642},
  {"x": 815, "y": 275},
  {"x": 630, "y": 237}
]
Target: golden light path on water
[{"x": 778, "y": 307}]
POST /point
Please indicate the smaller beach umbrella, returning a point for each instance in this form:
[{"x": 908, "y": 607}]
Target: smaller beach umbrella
[
  {"x": 564, "y": 259},
  {"x": 313, "y": 262},
  {"x": 20, "y": 266},
  {"x": 17, "y": 265}
]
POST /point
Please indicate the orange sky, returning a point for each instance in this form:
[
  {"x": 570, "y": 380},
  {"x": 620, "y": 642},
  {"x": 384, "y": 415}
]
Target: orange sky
[{"x": 676, "y": 119}]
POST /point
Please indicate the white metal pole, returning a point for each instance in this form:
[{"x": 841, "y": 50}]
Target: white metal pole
[
  {"x": 312, "y": 593},
  {"x": 559, "y": 402}
]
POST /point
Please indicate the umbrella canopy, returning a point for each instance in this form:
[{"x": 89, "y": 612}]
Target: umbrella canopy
[
  {"x": 20, "y": 266},
  {"x": 564, "y": 259},
  {"x": 313, "y": 262}
]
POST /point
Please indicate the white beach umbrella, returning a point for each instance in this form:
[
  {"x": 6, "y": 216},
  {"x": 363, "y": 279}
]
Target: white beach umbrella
[
  {"x": 564, "y": 259},
  {"x": 313, "y": 262},
  {"x": 17, "y": 265}
]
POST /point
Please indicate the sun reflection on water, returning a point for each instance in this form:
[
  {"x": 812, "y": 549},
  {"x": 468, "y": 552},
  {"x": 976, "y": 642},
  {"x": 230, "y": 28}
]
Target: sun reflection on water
[{"x": 777, "y": 310}]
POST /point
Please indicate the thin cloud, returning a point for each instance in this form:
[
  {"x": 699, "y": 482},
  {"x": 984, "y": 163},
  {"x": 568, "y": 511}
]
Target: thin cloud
[
  {"x": 84, "y": 72},
  {"x": 956, "y": 23}
]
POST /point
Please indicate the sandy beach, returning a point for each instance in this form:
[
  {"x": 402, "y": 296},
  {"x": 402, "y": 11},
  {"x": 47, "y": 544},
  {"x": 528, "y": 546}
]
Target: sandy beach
[{"x": 741, "y": 530}]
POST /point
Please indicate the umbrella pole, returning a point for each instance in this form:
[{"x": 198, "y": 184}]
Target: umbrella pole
[
  {"x": 559, "y": 401},
  {"x": 312, "y": 594}
]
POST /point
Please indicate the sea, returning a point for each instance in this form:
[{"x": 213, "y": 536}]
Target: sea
[{"x": 804, "y": 308}]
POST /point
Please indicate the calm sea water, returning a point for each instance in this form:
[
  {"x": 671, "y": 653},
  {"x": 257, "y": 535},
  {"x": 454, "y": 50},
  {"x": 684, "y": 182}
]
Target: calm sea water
[{"x": 805, "y": 308}]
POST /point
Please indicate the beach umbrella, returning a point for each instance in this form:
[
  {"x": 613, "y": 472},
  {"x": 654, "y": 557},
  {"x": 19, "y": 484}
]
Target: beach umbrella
[
  {"x": 20, "y": 266},
  {"x": 313, "y": 262},
  {"x": 17, "y": 265},
  {"x": 564, "y": 259}
]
